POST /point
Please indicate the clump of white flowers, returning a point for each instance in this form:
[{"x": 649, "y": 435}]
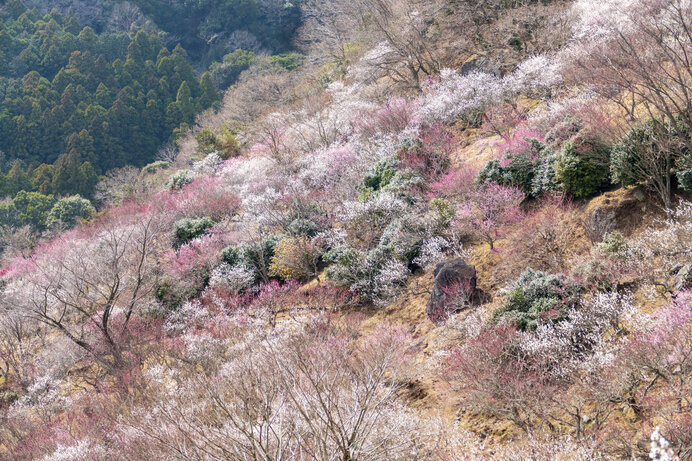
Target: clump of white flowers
[
  {"x": 660, "y": 447},
  {"x": 237, "y": 278}
]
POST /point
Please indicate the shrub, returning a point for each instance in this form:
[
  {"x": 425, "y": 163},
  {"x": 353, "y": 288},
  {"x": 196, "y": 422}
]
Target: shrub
[
  {"x": 303, "y": 227},
  {"x": 256, "y": 256},
  {"x": 379, "y": 177},
  {"x": 536, "y": 297},
  {"x": 172, "y": 294},
  {"x": 155, "y": 167},
  {"x": 225, "y": 73},
  {"x": 521, "y": 155},
  {"x": 287, "y": 61},
  {"x": 647, "y": 154},
  {"x": 580, "y": 167},
  {"x": 179, "y": 179},
  {"x": 545, "y": 179},
  {"x": 187, "y": 229},
  {"x": 683, "y": 172},
  {"x": 516, "y": 168},
  {"x": 294, "y": 259},
  {"x": 70, "y": 210},
  {"x": 376, "y": 275},
  {"x": 206, "y": 140},
  {"x": 613, "y": 243}
]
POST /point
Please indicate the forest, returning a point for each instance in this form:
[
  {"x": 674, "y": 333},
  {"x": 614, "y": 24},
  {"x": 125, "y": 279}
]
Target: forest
[{"x": 78, "y": 101}]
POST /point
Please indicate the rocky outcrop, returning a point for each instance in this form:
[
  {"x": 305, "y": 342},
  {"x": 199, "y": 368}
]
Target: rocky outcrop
[
  {"x": 453, "y": 290},
  {"x": 683, "y": 278}
]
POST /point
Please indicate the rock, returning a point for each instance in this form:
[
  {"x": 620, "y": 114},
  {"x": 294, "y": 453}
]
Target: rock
[
  {"x": 619, "y": 210},
  {"x": 683, "y": 279},
  {"x": 454, "y": 289}
]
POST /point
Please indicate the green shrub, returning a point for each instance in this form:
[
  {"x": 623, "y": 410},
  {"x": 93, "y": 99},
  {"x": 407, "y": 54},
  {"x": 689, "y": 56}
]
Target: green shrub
[
  {"x": 545, "y": 177},
  {"x": 379, "y": 177},
  {"x": 9, "y": 216},
  {"x": 519, "y": 170},
  {"x": 206, "y": 140},
  {"x": 643, "y": 153},
  {"x": 256, "y": 256},
  {"x": 303, "y": 227},
  {"x": 537, "y": 297},
  {"x": 172, "y": 294},
  {"x": 287, "y": 61},
  {"x": 684, "y": 172},
  {"x": 581, "y": 168},
  {"x": 614, "y": 243},
  {"x": 68, "y": 211},
  {"x": 491, "y": 172},
  {"x": 179, "y": 179},
  {"x": 155, "y": 167},
  {"x": 187, "y": 229},
  {"x": 226, "y": 72}
]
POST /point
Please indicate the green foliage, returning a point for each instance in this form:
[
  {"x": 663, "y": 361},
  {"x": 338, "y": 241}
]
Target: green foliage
[
  {"x": 225, "y": 143},
  {"x": 8, "y": 214},
  {"x": 346, "y": 266},
  {"x": 545, "y": 177},
  {"x": 446, "y": 211},
  {"x": 33, "y": 208},
  {"x": 172, "y": 294},
  {"x": 683, "y": 172},
  {"x": 537, "y": 297},
  {"x": 155, "y": 167},
  {"x": 642, "y": 141},
  {"x": 179, "y": 179},
  {"x": 206, "y": 140},
  {"x": 614, "y": 243},
  {"x": 226, "y": 72},
  {"x": 519, "y": 168},
  {"x": 89, "y": 102},
  {"x": 386, "y": 176},
  {"x": 303, "y": 227},
  {"x": 256, "y": 256},
  {"x": 579, "y": 168},
  {"x": 68, "y": 211},
  {"x": 380, "y": 176},
  {"x": 289, "y": 61},
  {"x": 187, "y": 229}
]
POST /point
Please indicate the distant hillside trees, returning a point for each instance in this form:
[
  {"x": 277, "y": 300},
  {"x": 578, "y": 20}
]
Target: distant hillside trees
[{"x": 75, "y": 104}]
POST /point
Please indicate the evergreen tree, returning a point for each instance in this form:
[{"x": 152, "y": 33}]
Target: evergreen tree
[
  {"x": 17, "y": 179},
  {"x": 184, "y": 102}
]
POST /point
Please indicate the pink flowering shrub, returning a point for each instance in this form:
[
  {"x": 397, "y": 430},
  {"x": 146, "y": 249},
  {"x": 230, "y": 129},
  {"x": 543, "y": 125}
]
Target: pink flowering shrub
[
  {"x": 205, "y": 196},
  {"x": 659, "y": 360},
  {"x": 457, "y": 184},
  {"x": 430, "y": 156},
  {"x": 393, "y": 117},
  {"x": 489, "y": 210},
  {"x": 192, "y": 263}
]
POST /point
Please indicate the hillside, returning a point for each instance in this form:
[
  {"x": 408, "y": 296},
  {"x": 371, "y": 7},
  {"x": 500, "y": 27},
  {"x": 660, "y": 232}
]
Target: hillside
[{"x": 446, "y": 230}]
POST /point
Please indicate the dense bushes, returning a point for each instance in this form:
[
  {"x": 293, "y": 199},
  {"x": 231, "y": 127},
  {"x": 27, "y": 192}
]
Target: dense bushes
[
  {"x": 187, "y": 229},
  {"x": 536, "y": 298},
  {"x": 255, "y": 256},
  {"x": 69, "y": 211},
  {"x": 582, "y": 167},
  {"x": 649, "y": 154},
  {"x": 577, "y": 166}
]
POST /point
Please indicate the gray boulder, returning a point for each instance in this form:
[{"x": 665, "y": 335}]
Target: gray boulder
[{"x": 453, "y": 290}]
